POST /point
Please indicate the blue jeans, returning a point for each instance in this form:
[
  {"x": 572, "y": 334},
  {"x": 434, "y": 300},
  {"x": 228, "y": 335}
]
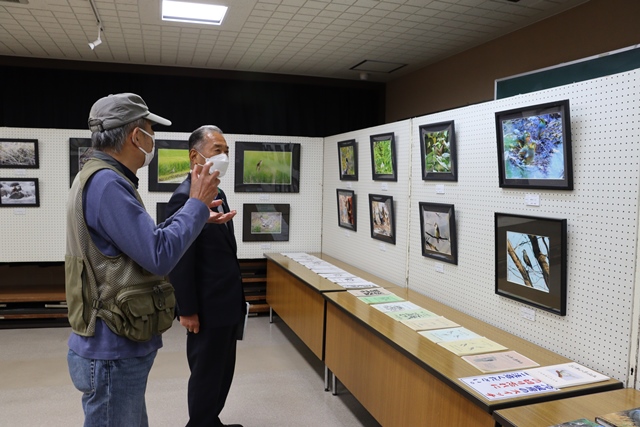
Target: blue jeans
[{"x": 113, "y": 390}]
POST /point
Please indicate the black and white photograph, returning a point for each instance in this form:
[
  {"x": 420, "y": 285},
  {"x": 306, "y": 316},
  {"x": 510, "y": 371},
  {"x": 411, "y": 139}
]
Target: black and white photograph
[
  {"x": 19, "y": 153},
  {"x": 19, "y": 192}
]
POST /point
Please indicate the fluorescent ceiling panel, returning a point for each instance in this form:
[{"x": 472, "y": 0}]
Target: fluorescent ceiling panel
[{"x": 197, "y": 13}]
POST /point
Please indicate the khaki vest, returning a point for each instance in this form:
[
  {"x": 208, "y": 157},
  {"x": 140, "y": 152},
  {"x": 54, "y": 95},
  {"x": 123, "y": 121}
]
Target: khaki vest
[{"x": 94, "y": 280}]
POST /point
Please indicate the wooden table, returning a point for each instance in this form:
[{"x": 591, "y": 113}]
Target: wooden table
[
  {"x": 294, "y": 292},
  {"x": 404, "y": 379},
  {"x": 563, "y": 410}
]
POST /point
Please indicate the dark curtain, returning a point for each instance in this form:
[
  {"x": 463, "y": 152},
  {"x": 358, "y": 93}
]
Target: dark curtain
[{"x": 38, "y": 97}]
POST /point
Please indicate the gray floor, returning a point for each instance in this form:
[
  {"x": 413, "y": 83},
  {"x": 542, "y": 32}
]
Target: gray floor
[{"x": 278, "y": 382}]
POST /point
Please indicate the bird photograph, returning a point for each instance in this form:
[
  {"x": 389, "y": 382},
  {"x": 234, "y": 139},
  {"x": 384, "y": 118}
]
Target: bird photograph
[
  {"x": 437, "y": 155},
  {"x": 347, "y": 162},
  {"x": 267, "y": 167},
  {"x": 534, "y": 147},
  {"x": 437, "y": 236},
  {"x": 381, "y": 218},
  {"x": 18, "y": 193},
  {"x": 527, "y": 256}
]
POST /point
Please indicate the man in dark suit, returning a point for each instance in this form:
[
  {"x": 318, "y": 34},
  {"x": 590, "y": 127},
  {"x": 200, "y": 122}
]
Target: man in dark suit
[{"x": 208, "y": 288}]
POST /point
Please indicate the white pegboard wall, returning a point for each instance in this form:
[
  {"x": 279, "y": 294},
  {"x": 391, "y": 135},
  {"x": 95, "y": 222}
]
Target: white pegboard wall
[
  {"x": 358, "y": 248},
  {"x": 39, "y": 234},
  {"x": 601, "y": 213}
]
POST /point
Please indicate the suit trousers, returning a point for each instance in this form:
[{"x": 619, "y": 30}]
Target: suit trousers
[{"x": 211, "y": 354}]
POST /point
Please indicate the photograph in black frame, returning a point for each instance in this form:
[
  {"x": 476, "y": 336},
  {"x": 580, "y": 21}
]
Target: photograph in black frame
[
  {"x": 346, "y": 209},
  {"x": 438, "y": 152},
  {"x": 438, "y": 231},
  {"x": 265, "y": 222},
  {"x": 267, "y": 167},
  {"x": 19, "y": 154},
  {"x": 348, "y": 160},
  {"x": 531, "y": 261},
  {"x": 79, "y": 152},
  {"x": 534, "y": 147},
  {"x": 382, "y": 218},
  {"x": 170, "y": 165},
  {"x": 19, "y": 193},
  {"x": 383, "y": 157}
]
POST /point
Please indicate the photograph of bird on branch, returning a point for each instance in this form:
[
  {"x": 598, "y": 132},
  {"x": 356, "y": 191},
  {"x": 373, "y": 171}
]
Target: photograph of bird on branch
[
  {"x": 534, "y": 147},
  {"x": 267, "y": 167},
  {"x": 348, "y": 156},
  {"x": 527, "y": 260},
  {"x": 438, "y": 227},
  {"x": 438, "y": 151},
  {"x": 437, "y": 232}
]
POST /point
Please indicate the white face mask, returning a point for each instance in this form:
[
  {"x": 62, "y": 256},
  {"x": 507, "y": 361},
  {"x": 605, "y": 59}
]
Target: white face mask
[
  {"x": 148, "y": 156},
  {"x": 220, "y": 163}
]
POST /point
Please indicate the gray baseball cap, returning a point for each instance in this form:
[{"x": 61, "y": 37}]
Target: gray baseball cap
[{"x": 117, "y": 110}]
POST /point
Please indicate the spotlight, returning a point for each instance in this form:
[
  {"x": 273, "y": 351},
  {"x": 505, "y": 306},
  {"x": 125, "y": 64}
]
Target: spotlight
[
  {"x": 364, "y": 76},
  {"x": 95, "y": 43},
  {"x": 98, "y": 41}
]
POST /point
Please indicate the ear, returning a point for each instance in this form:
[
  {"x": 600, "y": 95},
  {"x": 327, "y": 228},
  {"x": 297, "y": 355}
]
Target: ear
[
  {"x": 133, "y": 137},
  {"x": 193, "y": 156}
]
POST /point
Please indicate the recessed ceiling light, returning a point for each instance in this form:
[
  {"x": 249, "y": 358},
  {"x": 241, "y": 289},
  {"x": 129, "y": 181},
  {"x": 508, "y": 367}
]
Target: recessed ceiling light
[{"x": 197, "y": 13}]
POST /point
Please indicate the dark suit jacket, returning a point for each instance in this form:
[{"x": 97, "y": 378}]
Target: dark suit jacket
[{"x": 207, "y": 279}]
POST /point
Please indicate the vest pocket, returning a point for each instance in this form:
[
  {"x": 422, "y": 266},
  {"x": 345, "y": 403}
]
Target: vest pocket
[
  {"x": 144, "y": 311},
  {"x": 78, "y": 319}
]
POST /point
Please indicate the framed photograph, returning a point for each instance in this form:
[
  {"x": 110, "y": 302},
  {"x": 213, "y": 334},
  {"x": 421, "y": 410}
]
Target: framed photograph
[
  {"x": 531, "y": 261},
  {"x": 534, "y": 147},
  {"x": 267, "y": 167},
  {"x": 438, "y": 152},
  {"x": 265, "y": 222},
  {"x": 383, "y": 157},
  {"x": 169, "y": 166},
  {"x": 348, "y": 160},
  {"x": 346, "y": 209},
  {"x": 19, "y": 154},
  {"x": 161, "y": 212},
  {"x": 382, "y": 218},
  {"x": 79, "y": 152},
  {"x": 438, "y": 231},
  {"x": 19, "y": 193}
]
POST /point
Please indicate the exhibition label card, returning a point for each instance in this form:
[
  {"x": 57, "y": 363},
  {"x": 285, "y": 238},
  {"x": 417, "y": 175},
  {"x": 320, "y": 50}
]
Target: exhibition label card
[
  {"x": 449, "y": 334},
  {"x": 344, "y": 279},
  {"x": 297, "y": 255},
  {"x": 429, "y": 323},
  {"x": 567, "y": 375},
  {"x": 507, "y": 385},
  {"x": 502, "y": 361},
  {"x": 420, "y": 313},
  {"x": 379, "y": 299},
  {"x": 472, "y": 346},
  {"x": 396, "y": 306},
  {"x": 370, "y": 292},
  {"x": 359, "y": 285}
]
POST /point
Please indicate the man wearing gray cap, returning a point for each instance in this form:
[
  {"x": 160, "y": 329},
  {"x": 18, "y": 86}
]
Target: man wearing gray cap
[{"x": 116, "y": 262}]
